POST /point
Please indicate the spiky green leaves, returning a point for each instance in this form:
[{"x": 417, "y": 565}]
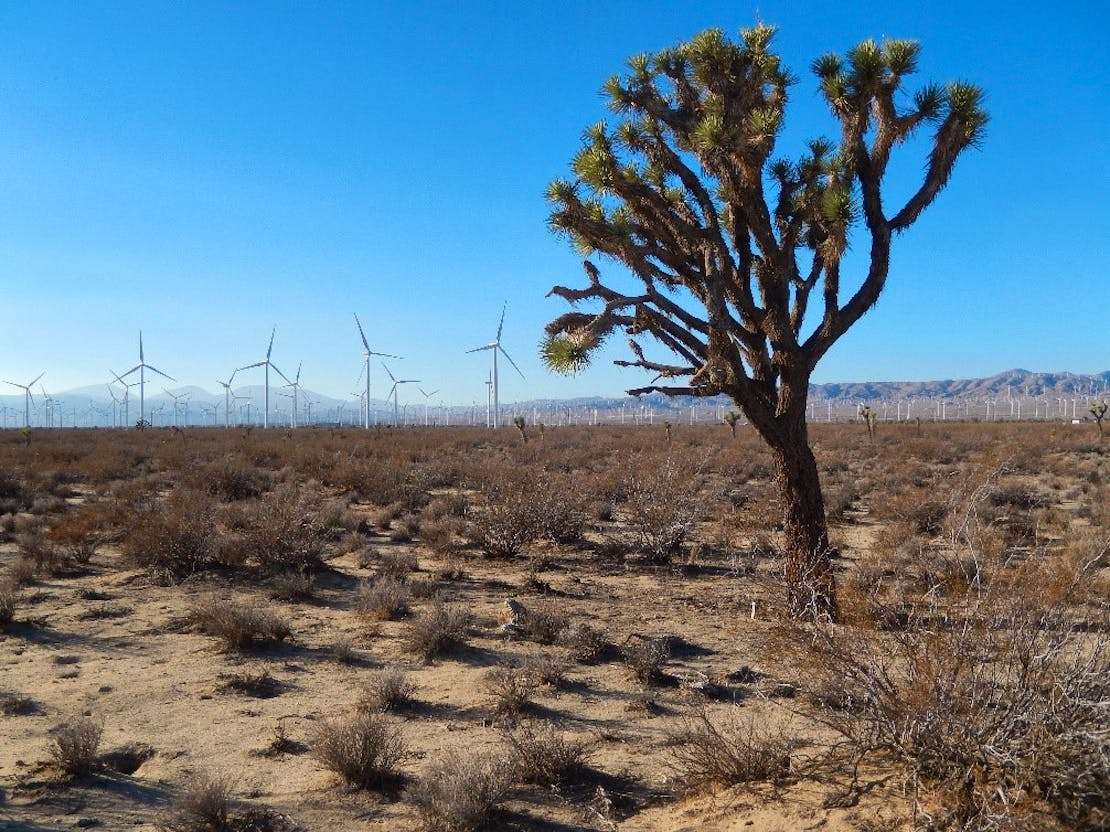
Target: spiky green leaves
[
  {"x": 965, "y": 102},
  {"x": 566, "y": 354}
]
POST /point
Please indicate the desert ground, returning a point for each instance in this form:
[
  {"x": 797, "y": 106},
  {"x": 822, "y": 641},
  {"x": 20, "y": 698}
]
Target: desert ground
[{"x": 456, "y": 629}]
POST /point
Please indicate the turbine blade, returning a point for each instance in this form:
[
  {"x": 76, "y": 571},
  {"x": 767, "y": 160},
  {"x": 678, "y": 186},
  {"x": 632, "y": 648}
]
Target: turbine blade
[
  {"x": 141, "y": 359},
  {"x": 250, "y": 366},
  {"x": 32, "y": 384},
  {"x": 279, "y": 372},
  {"x": 362, "y": 334},
  {"x": 510, "y": 360},
  {"x": 270, "y": 348},
  {"x": 299, "y": 365},
  {"x": 134, "y": 369},
  {"x": 479, "y": 349},
  {"x": 389, "y": 373},
  {"x": 500, "y": 325},
  {"x": 164, "y": 375},
  {"x": 387, "y": 355}
]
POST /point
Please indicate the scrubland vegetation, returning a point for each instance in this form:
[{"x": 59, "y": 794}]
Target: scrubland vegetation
[{"x": 454, "y": 629}]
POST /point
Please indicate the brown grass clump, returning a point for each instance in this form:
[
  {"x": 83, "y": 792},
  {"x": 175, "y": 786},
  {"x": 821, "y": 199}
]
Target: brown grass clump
[
  {"x": 388, "y": 690},
  {"x": 75, "y": 744},
  {"x": 386, "y": 599},
  {"x": 364, "y": 749},
  {"x": 730, "y": 753},
  {"x": 510, "y": 689},
  {"x": 645, "y": 658},
  {"x": 437, "y": 630},
  {"x": 462, "y": 793},
  {"x": 239, "y": 626},
  {"x": 204, "y": 805},
  {"x": 9, "y": 598},
  {"x": 546, "y": 757}
]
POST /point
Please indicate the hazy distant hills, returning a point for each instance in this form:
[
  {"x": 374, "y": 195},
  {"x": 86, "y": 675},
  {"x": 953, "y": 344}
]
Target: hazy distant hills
[{"x": 1013, "y": 383}]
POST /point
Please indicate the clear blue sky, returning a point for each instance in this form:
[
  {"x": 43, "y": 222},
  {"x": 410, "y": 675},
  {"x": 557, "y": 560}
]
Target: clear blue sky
[{"x": 205, "y": 171}]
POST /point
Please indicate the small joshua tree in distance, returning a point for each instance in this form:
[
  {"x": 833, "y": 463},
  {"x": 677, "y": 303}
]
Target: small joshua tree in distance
[
  {"x": 732, "y": 418},
  {"x": 1099, "y": 412},
  {"x": 518, "y": 421}
]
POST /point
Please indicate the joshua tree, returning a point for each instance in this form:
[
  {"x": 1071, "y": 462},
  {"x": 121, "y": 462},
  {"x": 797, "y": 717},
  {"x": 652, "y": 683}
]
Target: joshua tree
[
  {"x": 869, "y": 417},
  {"x": 729, "y": 241},
  {"x": 731, "y": 419},
  {"x": 1099, "y": 412},
  {"x": 668, "y": 427},
  {"x": 518, "y": 421}
]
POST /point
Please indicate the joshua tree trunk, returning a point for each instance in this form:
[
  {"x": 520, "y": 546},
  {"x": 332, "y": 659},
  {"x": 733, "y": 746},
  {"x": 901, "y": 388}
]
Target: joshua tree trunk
[{"x": 809, "y": 576}]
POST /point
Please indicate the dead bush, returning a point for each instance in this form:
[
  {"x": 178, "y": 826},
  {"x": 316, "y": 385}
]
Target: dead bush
[
  {"x": 292, "y": 586},
  {"x": 388, "y": 690},
  {"x": 462, "y": 793},
  {"x": 9, "y": 598},
  {"x": 732, "y": 752},
  {"x": 239, "y": 626},
  {"x": 396, "y": 564},
  {"x": 175, "y": 539},
  {"x": 662, "y": 509},
  {"x": 508, "y": 523},
  {"x": 510, "y": 690},
  {"x": 585, "y": 643},
  {"x": 204, "y": 805},
  {"x": 75, "y": 744},
  {"x": 645, "y": 658},
  {"x": 546, "y": 757},
  {"x": 285, "y": 531},
  {"x": 544, "y": 624},
  {"x": 437, "y": 630},
  {"x": 363, "y": 748},
  {"x": 384, "y": 599},
  {"x": 996, "y": 711},
  {"x": 232, "y": 480}
]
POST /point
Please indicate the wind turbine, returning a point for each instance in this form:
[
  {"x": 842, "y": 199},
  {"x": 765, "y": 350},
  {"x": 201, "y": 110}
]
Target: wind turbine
[
  {"x": 27, "y": 398},
  {"x": 296, "y": 385},
  {"x": 227, "y": 399},
  {"x": 142, "y": 367},
  {"x": 494, "y": 347},
  {"x": 126, "y": 397},
  {"x": 426, "y": 397},
  {"x": 393, "y": 391},
  {"x": 366, "y": 368},
  {"x": 177, "y": 397},
  {"x": 267, "y": 363}
]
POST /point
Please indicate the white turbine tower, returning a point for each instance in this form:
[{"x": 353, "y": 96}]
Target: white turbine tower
[
  {"x": 126, "y": 397},
  {"x": 227, "y": 399},
  {"x": 296, "y": 385},
  {"x": 141, "y": 368},
  {"x": 393, "y": 392},
  {"x": 267, "y": 363},
  {"x": 495, "y": 347},
  {"x": 367, "y": 352},
  {"x": 27, "y": 398},
  {"x": 426, "y": 397}
]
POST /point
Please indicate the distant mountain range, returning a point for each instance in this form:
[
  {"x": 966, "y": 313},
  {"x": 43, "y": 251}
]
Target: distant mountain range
[{"x": 92, "y": 406}]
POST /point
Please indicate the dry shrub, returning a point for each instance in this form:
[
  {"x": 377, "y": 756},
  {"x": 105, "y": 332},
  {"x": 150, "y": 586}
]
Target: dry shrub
[
  {"x": 239, "y": 626},
  {"x": 510, "y": 689},
  {"x": 204, "y": 805},
  {"x": 437, "y": 630},
  {"x": 385, "y": 599},
  {"x": 545, "y": 756},
  {"x": 75, "y": 744},
  {"x": 285, "y": 531},
  {"x": 388, "y": 690},
  {"x": 440, "y": 535},
  {"x": 734, "y": 751},
  {"x": 995, "y": 710},
  {"x": 175, "y": 539},
  {"x": 645, "y": 658},
  {"x": 397, "y": 564},
  {"x": 292, "y": 586},
  {"x": 363, "y": 748},
  {"x": 231, "y": 479},
  {"x": 544, "y": 624},
  {"x": 462, "y": 793},
  {"x": 9, "y": 598},
  {"x": 662, "y": 510},
  {"x": 585, "y": 643},
  {"x": 509, "y": 521},
  {"x": 545, "y": 669}
]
